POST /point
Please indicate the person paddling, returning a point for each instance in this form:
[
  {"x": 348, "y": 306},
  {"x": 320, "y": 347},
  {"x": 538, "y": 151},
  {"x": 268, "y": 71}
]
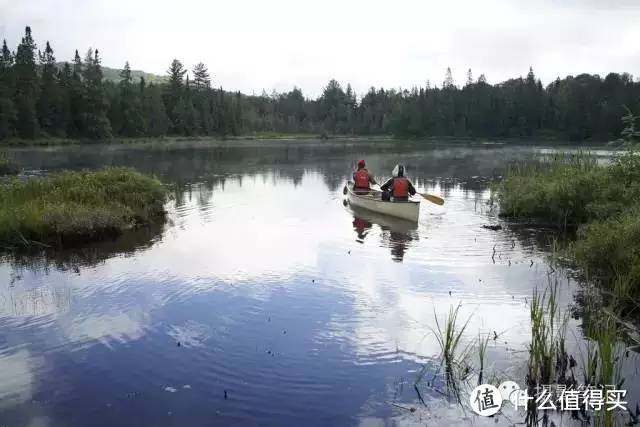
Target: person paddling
[
  {"x": 362, "y": 178},
  {"x": 398, "y": 187}
]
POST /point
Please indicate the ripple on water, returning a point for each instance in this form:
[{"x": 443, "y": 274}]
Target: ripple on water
[{"x": 289, "y": 308}]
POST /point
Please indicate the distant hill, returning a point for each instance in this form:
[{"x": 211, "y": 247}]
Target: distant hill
[{"x": 113, "y": 74}]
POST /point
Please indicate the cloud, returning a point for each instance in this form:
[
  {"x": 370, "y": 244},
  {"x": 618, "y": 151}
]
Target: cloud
[{"x": 254, "y": 45}]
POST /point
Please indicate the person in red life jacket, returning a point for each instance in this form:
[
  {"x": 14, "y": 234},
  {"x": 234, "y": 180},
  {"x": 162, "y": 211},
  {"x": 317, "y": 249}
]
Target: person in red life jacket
[
  {"x": 398, "y": 187},
  {"x": 362, "y": 178}
]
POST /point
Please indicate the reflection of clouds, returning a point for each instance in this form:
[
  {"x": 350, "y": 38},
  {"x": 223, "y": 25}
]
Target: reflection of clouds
[
  {"x": 17, "y": 377},
  {"x": 257, "y": 230},
  {"x": 394, "y": 306},
  {"x": 191, "y": 334},
  {"x": 39, "y": 421},
  {"x": 105, "y": 328}
]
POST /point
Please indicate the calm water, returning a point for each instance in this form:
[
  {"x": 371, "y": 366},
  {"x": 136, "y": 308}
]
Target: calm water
[{"x": 264, "y": 300}]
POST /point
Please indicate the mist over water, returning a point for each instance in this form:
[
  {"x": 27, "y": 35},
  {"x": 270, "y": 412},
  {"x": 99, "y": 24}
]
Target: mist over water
[{"x": 264, "y": 299}]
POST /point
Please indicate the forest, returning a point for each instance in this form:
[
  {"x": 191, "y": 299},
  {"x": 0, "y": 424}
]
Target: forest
[{"x": 43, "y": 98}]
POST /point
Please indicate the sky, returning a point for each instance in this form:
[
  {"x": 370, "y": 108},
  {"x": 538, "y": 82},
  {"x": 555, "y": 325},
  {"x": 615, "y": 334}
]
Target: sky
[{"x": 259, "y": 45}]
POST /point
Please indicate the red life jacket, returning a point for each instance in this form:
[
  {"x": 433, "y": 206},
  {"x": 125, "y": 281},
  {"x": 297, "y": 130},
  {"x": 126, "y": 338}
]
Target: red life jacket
[
  {"x": 400, "y": 187},
  {"x": 361, "y": 178}
]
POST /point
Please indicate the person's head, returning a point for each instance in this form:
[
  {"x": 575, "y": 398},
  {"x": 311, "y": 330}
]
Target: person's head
[
  {"x": 398, "y": 171},
  {"x": 361, "y": 164}
]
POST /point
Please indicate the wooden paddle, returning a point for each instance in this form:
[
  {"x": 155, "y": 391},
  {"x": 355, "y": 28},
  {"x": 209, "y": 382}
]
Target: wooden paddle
[
  {"x": 433, "y": 199},
  {"x": 430, "y": 197}
]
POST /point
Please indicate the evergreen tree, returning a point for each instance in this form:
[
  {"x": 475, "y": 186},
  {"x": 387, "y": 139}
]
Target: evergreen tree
[
  {"x": 65, "y": 86},
  {"x": 8, "y": 113},
  {"x": 7, "y": 83},
  {"x": 96, "y": 123},
  {"x": 469, "y": 78},
  {"x": 26, "y": 82},
  {"x": 77, "y": 98},
  {"x": 174, "y": 91},
  {"x": 132, "y": 123},
  {"x": 448, "y": 82},
  {"x": 155, "y": 114},
  {"x": 201, "y": 79},
  {"x": 49, "y": 102}
]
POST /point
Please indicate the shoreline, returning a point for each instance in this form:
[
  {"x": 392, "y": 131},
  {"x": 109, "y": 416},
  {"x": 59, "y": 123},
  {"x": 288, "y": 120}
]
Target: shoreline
[{"x": 302, "y": 138}]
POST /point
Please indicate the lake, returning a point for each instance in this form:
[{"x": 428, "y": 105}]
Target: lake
[{"x": 264, "y": 300}]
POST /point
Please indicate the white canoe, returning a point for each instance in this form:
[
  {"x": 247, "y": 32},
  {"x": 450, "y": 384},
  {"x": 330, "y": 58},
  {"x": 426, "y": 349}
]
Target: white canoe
[{"x": 373, "y": 202}]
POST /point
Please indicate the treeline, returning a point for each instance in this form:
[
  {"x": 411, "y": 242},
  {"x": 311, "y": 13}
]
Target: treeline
[{"x": 40, "y": 97}]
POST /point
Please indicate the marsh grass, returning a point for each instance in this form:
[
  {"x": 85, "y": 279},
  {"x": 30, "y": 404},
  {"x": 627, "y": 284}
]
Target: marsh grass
[
  {"x": 7, "y": 165},
  {"x": 548, "y": 359},
  {"x": 601, "y": 357},
  {"x": 454, "y": 354},
  {"x": 601, "y": 203},
  {"x": 482, "y": 355},
  {"x": 73, "y": 207},
  {"x": 602, "y": 361}
]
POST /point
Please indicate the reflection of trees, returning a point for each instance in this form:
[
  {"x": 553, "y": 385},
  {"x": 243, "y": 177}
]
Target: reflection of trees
[
  {"x": 127, "y": 244},
  {"x": 182, "y": 163},
  {"x": 40, "y": 301},
  {"x": 196, "y": 171}
]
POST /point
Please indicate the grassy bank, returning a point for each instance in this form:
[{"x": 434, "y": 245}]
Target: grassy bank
[
  {"x": 600, "y": 203},
  {"x": 74, "y": 207}
]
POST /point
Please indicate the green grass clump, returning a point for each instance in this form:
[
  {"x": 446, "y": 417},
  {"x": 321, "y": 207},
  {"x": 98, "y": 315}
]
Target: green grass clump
[
  {"x": 610, "y": 248},
  {"x": 570, "y": 190},
  {"x": 77, "y": 206},
  {"x": 601, "y": 202}
]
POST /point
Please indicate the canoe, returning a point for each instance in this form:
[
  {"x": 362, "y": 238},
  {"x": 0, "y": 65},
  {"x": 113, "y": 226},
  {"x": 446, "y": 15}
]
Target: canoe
[{"x": 373, "y": 202}]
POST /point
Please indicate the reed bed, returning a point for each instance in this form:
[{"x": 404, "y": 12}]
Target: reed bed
[{"x": 69, "y": 207}]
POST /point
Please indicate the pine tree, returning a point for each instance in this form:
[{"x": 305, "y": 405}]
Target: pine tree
[
  {"x": 77, "y": 99},
  {"x": 157, "y": 122},
  {"x": 8, "y": 113},
  {"x": 26, "y": 87},
  {"x": 7, "y": 84},
  {"x": 469, "y": 78},
  {"x": 174, "y": 91},
  {"x": 48, "y": 105},
  {"x": 130, "y": 109},
  {"x": 96, "y": 123},
  {"x": 448, "y": 80},
  {"x": 65, "y": 86},
  {"x": 201, "y": 79}
]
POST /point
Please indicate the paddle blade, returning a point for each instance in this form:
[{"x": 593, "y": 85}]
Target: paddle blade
[{"x": 433, "y": 199}]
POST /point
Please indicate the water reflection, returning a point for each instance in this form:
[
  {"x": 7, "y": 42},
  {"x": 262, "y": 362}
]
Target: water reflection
[
  {"x": 395, "y": 234},
  {"x": 262, "y": 284}
]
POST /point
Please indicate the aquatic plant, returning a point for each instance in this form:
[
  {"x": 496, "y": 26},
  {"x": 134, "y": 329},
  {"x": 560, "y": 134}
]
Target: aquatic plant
[
  {"x": 454, "y": 356},
  {"x": 601, "y": 203},
  {"x": 77, "y": 206},
  {"x": 482, "y": 354},
  {"x": 547, "y": 354}
]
